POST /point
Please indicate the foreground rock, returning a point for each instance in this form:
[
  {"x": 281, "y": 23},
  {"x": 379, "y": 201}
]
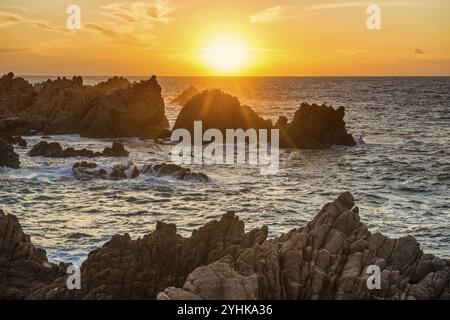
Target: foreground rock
[
  {"x": 8, "y": 158},
  {"x": 218, "y": 110},
  {"x": 315, "y": 127},
  {"x": 186, "y": 95},
  {"x": 22, "y": 266},
  {"x": 114, "y": 108},
  {"x": 88, "y": 171},
  {"x": 54, "y": 150},
  {"x": 327, "y": 259},
  {"x": 17, "y": 140}
]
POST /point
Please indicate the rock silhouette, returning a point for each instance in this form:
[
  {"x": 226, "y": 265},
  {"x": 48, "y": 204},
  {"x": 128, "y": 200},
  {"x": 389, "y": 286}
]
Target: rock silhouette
[
  {"x": 114, "y": 108},
  {"x": 315, "y": 127},
  {"x": 54, "y": 150},
  {"x": 8, "y": 158},
  {"x": 327, "y": 259}
]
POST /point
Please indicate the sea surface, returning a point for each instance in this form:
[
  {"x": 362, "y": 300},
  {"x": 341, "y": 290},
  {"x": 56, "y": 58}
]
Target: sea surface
[{"x": 400, "y": 177}]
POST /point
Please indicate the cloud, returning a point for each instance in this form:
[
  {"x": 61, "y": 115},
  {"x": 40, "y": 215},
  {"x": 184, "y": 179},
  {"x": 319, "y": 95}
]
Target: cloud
[
  {"x": 139, "y": 12},
  {"x": 7, "y": 19},
  {"x": 4, "y": 49},
  {"x": 419, "y": 51},
  {"x": 119, "y": 37},
  {"x": 276, "y": 13},
  {"x": 353, "y": 4}
]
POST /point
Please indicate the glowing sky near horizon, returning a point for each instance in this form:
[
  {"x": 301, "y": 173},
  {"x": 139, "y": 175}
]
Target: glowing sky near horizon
[{"x": 268, "y": 38}]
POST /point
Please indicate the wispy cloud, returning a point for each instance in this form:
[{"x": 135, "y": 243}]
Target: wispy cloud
[
  {"x": 276, "y": 13},
  {"x": 350, "y": 4},
  {"x": 8, "y": 18},
  {"x": 117, "y": 36},
  {"x": 419, "y": 51},
  {"x": 139, "y": 12}
]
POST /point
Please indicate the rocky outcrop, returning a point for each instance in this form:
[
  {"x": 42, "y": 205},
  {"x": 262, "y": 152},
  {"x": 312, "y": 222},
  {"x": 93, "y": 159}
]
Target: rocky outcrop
[
  {"x": 218, "y": 110},
  {"x": 8, "y": 158},
  {"x": 17, "y": 140},
  {"x": 186, "y": 95},
  {"x": 327, "y": 259},
  {"x": 22, "y": 266},
  {"x": 114, "y": 108},
  {"x": 87, "y": 171},
  {"x": 315, "y": 127},
  {"x": 54, "y": 150}
]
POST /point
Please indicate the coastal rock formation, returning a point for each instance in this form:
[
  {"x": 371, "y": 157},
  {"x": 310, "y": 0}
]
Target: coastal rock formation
[
  {"x": 327, "y": 259},
  {"x": 22, "y": 266},
  {"x": 87, "y": 171},
  {"x": 218, "y": 110},
  {"x": 18, "y": 140},
  {"x": 8, "y": 158},
  {"x": 54, "y": 150},
  {"x": 315, "y": 127},
  {"x": 186, "y": 95},
  {"x": 114, "y": 108}
]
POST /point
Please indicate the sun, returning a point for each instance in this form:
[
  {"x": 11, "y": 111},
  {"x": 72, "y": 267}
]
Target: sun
[{"x": 226, "y": 55}]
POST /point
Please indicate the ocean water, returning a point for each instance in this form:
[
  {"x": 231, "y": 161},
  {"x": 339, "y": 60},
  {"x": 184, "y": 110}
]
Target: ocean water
[{"x": 400, "y": 177}]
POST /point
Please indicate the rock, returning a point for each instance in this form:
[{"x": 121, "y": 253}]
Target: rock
[
  {"x": 110, "y": 109},
  {"x": 186, "y": 95},
  {"x": 18, "y": 140},
  {"x": 8, "y": 158},
  {"x": 327, "y": 259},
  {"x": 88, "y": 171},
  {"x": 117, "y": 150},
  {"x": 175, "y": 171},
  {"x": 23, "y": 267},
  {"x": 54, "y": 150},
  {"x": 315, "y": 127},
  {"x": 218, "y": 110}
]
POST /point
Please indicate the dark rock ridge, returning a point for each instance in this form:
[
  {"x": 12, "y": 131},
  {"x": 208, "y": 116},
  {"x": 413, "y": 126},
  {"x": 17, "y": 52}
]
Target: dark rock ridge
[
  {"x": 114, "y": 108},
  {"x": 327, "y": 259},
  {"x": 314, "y": 127},
  {"x": 54, "y": 150},
  {"x": 8, "y": 158},
  {"x": 23, "y": 267},
  {"x": 186, "y": 95},
  {"x": 219, "y": 110},
  {"x": 87, "y": 171}
]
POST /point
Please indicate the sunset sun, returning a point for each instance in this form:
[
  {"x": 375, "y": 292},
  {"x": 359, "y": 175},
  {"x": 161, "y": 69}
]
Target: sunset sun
[{"x": 226, "y": 55}]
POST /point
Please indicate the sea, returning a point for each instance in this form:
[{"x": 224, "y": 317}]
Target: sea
[{"x": 399, "y": 176}]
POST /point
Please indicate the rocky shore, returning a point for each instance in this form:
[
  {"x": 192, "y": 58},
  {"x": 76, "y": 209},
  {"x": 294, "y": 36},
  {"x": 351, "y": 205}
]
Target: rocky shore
[{"x": 327, "y": 259}]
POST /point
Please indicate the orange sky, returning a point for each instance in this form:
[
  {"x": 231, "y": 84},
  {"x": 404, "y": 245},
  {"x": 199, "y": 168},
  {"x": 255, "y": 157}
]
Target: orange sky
[{"x": 269, "y": 38}]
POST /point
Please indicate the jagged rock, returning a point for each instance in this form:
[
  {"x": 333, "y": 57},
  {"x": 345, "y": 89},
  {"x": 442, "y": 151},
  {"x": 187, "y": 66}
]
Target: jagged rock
[
  {"x": 186, "y": 95},
  {"x": 218, "y": 110},
  {"x": 315, "y": 127},
  {"x": 327, "y": 259},
  {"x": 22, "y": 265},
  {"x": 21, "y": 142},
  {"x": 88, "y": 171},
  {"x": 114, "y": 108},
  {"x": 54, "y": 150},
  {"x": 8, "y": 158},
  {"x": 173, "y": 170}
]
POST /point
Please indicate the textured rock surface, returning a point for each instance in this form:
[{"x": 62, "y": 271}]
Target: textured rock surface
[
  {"x": 114, "y": 108},
  {"x": 54, "y": 150},
  {"x": 327, "y": 259},
  {"x": 87, "y": 171},
  {"x": 22, "y": 266},
  {"x": 315, "y": 127},
  {"x": 218, "y": 110},
  {"x": 8, "y": 158}
]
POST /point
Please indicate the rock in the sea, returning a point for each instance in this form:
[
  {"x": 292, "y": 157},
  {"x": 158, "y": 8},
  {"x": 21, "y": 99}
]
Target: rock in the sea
[
  {"x": 110, "y": 109},
  {"x": 18, "y": 140},
  {"x": 54, "y": 150},
  {"x": 186, "y": 95},
  {"x": 327, "y": 259},
  {"x": 88, "y": 171},
  {"x": 315, "y": 127},
  {"x": 23, "y": 267},
  {"x": 218, "y": 110},
  {"x": 8, "y": 158}
]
